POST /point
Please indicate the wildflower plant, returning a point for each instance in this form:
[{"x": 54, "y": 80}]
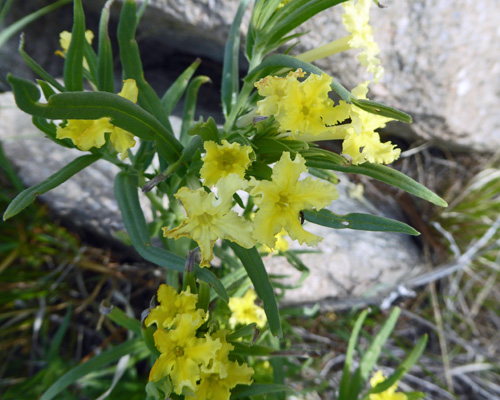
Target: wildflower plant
[{"x": 233, "y": 191}]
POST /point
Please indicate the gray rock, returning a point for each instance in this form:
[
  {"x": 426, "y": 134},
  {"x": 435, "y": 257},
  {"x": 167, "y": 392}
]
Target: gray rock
[
  {"x": 351, "y": 263},
  {"x": 442, "y": 60}
]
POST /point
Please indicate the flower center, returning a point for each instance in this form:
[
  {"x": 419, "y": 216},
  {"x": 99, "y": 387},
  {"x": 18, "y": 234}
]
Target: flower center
[
  {"x": 178, "y": 351},
  {"x": 205, "y": 219},
  {"x": 283, "y": 202}
]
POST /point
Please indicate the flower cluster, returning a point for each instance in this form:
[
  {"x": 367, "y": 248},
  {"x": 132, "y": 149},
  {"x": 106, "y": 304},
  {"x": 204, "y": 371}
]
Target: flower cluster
[
  {"x": 304, "y": 112},
  {"x": 195, "y": 360},
  {"x": 389, "y": 394},
  {"x": 356, "y": 21},
  {"x": 280, "y": 201}
]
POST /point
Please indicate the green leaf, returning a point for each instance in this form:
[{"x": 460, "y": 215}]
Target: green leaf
[
  {"x": 381, "y": 109},
  {"x": 126, "y": 194},
  {"x": 96, "y": 363},
  {"x": 346, "y": 371},
  {"x": 28, "y": 196},
  {"x": 55, "y": 344},
  {"x": 94, "y": 105},
  {"x": 73, "y": 63},
  {"x": 362, "y": 222},
  {"x": 11, "y": 30},
  {"x": 383, "y": 174},
  {"x": 286, "y": 19},
  {"x": 371, "y": 355},
  {"x": 105, "y": 74},
  {"x": 119, "y": 317},
  {"x": 402, "y": 369},
  {"x": 37, "y": 68},
  {"x": 230, "y": 69},
  {"x": 257, "y": 273},
  {"x": 190, "y": 106},
  {"x": 242, "y": 391},
  {"x": 132, "y": 63},
  {"x": 206, "y": 130},
  {"x": 176, "y": 90},
  {"x": 246, "y": 330}
]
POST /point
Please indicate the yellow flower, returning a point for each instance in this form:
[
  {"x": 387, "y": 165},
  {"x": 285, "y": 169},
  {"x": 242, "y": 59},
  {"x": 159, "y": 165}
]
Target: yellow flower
[
  {"x": 356, "y": 20},
  {"x": 182, "y": 353},
  {"x": 281, "y": 243},
  {"x": 361, "y": 142},
  {"x": 225, "y": 159},
  {"x": 210, "y": 218},
  {"x": 389, "y": 394},
  {"x": 300, "y": 107},
  {"x": 281, "y": 200},
  {"x": 172, "y": 306},
  {"x": 65, "y": 41},
  {"x": 86, "y": 134},
  {"x": 219, "y": 378},
  {"x": 244, "y": 310}
]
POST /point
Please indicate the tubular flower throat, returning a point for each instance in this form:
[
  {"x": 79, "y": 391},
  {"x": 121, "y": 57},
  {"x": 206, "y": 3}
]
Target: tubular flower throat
[
  {"x": 281, "y": 200},
  {"x": 389, "y": 394},
  {"x": 244, "y": 310},
  {"x": 86, "y": 134},
  {"x": 182, "y": 353},
  {"x": 356, "y": 20},
  {"x": 210, "y": 218},
  {"x": 361, "y": 142},
  {"x": 172, "y": 306},
  {"x": 225, "y": 159},
  {"x": 300, "y": 107}
]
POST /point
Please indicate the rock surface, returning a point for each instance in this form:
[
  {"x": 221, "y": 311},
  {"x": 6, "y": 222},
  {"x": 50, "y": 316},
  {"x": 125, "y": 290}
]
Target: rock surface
[
  {"x": 351, "y": 263},
  {"x": 442, "y": 60}
]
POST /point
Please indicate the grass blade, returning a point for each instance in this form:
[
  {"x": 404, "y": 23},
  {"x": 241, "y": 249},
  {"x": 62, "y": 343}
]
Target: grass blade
[
  {"x": 346, "y": 371},
  {"x": 96, "y": 363}
]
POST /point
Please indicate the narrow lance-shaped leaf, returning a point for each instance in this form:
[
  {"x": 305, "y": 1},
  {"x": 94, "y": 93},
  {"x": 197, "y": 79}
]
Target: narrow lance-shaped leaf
[
  {"x": 94, "y": 105},
  {"x": 256, "y": 389},
  {"x": 383, "y": 174},
  {"x": 95, "y": 363},
  {"x": 28, "y": 196},
  {"x": 126, "y": 194},
  {"x": 105, "y": 75},
  {"x": 230, "y": 69},
  {"x": 190, "y": 106},
  {"x": 176, "y": 90},
  {"x": 371, "y": 355},
  {"x": 346, "y": 371},
  {"x": 37, "y": 68},
  {"x": 290, "y": 17},
  {"x": 73, "y": 63},
  {"x": 9, "y": 31},
  {"x": 257, "y": 273},
  {"x": 358, "y": 221},
  {"x": 132, "y": 63}
]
